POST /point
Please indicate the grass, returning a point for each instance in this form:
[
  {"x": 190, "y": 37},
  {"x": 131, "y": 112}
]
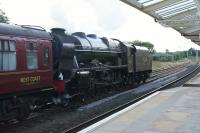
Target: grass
[{"x": 160, "y": 64}]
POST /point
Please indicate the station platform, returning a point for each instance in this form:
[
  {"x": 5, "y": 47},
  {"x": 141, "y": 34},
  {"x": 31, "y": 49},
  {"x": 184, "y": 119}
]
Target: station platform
[{"x": 175, "y": 110}]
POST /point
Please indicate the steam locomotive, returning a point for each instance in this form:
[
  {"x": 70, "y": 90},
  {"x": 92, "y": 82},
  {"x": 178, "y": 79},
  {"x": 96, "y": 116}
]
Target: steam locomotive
[{"x": 36, "y": 66}]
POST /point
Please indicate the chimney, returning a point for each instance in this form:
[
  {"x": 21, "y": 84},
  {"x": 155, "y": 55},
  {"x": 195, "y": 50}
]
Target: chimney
[{"x": 59, "y": 31}]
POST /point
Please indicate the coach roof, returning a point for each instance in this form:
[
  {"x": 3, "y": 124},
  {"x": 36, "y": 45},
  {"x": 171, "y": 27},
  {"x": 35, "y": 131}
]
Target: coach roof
[{"x": 24, "y": 31}]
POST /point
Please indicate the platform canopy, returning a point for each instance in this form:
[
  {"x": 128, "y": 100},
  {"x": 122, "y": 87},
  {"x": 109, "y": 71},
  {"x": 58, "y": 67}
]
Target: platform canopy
[{"x": 181, "y": 15}]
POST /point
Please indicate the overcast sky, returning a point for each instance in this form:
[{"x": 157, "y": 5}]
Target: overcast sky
[{"x": 110, "y": 18}]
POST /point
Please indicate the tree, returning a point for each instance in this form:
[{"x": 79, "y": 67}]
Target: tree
[
  {"x": 3, "y": 17},
  {"x": 191, "y": 52},
  {"x": 148, "y": 45}
]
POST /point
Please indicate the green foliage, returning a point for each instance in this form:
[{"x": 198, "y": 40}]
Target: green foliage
[
  {"x": 175, "y": 56},
  {"x": 163, "y": 57},
  {"x": 192, "y": 52},
  {"x": 148, "y": 45},
  {"x": 3, "y": 17}
]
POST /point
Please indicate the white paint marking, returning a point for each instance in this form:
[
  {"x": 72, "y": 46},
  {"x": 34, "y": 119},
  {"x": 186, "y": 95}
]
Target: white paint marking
[
  {"x": 96, "y": 125},
  {"x": 169, "y": 91}
]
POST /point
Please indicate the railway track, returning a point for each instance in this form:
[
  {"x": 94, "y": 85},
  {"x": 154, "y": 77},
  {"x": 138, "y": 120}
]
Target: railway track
[
  {"x": 173, "y": 66},
  {"x": 156, "y": 74},
  {"x": 37, "y": 117},
  {"x": 112, "y": 111}
]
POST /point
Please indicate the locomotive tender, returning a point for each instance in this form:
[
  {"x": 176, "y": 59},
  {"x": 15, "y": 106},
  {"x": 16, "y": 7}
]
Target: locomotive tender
[{"x": 36, "y": 66}]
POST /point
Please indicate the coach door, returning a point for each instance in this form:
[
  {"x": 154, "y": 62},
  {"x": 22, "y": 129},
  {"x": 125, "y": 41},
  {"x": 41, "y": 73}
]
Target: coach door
[
  {"x": 8, "y": 66},
  {"x": 45, "y": 56}
]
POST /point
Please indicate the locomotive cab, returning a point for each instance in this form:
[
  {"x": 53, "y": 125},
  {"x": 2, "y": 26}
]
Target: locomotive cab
[{"x": 130, "y": 56}]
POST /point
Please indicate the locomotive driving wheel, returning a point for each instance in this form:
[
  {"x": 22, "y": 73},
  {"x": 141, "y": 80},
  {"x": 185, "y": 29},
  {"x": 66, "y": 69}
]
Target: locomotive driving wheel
[
  {"x": 92, "y": 85},
  {"x": 138, "y": 79}
]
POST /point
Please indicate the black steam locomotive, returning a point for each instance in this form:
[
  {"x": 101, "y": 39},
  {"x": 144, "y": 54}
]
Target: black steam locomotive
[{"x": 87, "y": 62}]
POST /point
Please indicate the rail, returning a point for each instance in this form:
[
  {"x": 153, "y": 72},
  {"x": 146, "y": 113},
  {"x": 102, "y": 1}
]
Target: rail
[{"x": 108, "y": 113}]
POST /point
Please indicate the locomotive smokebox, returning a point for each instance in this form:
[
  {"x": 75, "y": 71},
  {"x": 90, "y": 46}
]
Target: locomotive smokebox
[{"x": 63, "y": 49}]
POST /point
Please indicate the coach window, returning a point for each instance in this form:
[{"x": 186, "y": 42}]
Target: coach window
[
  {"x": 32, "y": 56},
  {"x": 45, "y": 56},
  {"x": 7, "y": 55}
]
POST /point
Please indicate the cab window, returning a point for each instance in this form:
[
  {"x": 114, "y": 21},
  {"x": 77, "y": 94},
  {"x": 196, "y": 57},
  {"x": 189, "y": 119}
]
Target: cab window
[
  {"x": 7, "y": 55},
  {"x": 31, "y": 56}
]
